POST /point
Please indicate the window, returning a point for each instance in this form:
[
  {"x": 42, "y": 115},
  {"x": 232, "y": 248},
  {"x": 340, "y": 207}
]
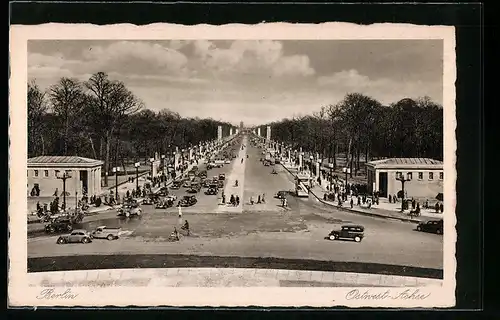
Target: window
[
  {"x": 431, "y": 175},
  {"x": 420, "y": 175},
  {"x": 441, "y": 175},
  {"x": 409, "y": 175},
  {"x": 45, "y": 173},
  {"x": 398, "y": 174},
  {"x": 36, "y": 173},
  {"x": 56, "y": 172}
]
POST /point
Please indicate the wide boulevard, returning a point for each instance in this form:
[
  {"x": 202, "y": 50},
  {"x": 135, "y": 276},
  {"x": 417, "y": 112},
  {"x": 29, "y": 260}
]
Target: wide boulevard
[{"x": 265, "y": 230}]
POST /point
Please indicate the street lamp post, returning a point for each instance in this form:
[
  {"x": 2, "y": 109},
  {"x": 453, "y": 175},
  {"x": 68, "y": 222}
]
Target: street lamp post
[
  {"x": 400, "y": 176},
  {"x": 346, "y": 171},
  {"x": 151, "y": 160},
  {"x": 331, "y": 175},
  {"x": 163, "y": 164},
  {"x": 116, "y": 170},
  {"x": 64, "y": 177},
  {"x": 310, "y": 164},
  {"x": 137, "y": 165}
]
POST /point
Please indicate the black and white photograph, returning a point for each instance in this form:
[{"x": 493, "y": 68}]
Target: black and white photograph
[{"x": 277, "y": 170}]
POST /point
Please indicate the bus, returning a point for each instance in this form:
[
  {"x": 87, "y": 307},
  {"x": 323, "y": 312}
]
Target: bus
[{"x": 302, "y": 185}]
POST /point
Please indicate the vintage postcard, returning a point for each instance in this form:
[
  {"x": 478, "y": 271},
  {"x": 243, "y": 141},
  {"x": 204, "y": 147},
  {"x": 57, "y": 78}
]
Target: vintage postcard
[{"x": 239, "y": 165}]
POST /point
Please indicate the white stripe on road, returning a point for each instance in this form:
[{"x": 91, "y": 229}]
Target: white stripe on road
[{"x": 237, "y": 173}]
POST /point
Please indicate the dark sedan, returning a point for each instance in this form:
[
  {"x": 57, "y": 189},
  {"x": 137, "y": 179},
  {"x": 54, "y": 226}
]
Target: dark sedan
[{"x": 433, "y": 226}]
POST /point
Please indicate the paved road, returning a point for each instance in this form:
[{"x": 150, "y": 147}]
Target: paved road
[{"x": 261, "y": 230}]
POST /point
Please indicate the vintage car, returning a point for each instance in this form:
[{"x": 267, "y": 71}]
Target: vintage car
[
  {"x": 211, "y": 191},
  {"x": 175, "y": 185},
  {"x": 187, "y": 184},
  {"x": 220, "y": 184},
  {"x": 353, "y": 232},
  {"x": 222, "y": 176},
  {"x": 103, "y": 232},
  {"x": 163, "y": 192},
  {"x": 150, "y": 199},
  {"x": 188, "y": 201},
  {"x": 193, "y": 189},
  {"x": 203, "y": 174},
  {"x": 434, "y": 226},
  {"x": 227, "y": 161},
  {"x": 166, "y": 202},
  {"x": 128, "y": 210},
  {"x": 59, "y": 225},
  {"x": 76, "y": 236}
]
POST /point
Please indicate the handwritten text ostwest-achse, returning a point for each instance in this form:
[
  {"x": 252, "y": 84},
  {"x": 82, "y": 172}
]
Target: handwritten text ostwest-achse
[{"x": 370, "y": 294}]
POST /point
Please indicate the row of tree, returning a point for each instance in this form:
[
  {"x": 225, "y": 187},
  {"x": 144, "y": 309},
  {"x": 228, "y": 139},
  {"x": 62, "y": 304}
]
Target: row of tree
[
  {"x": 360, "y": 127},
  {"x": 102, "y": 119}
]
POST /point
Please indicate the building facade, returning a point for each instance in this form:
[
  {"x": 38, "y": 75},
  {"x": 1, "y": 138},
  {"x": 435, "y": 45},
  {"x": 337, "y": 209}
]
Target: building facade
[
  {"x": 426, "y": 177},
  {"x": 85, "y": 175}
]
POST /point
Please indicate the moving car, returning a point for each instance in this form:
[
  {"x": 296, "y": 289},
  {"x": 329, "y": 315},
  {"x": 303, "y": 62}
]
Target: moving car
[
  {"x": 77, "y": 236},
  {"x": 131, "y": 209},
  {"x": 165, "y": 203},
  {"x": 222, "y": 176},
  {"x": 175, "y": 185},
  {"x": 163, "y": 191},
  {"x": 211, "y": 191},
  {"x": 188, "y": 201},
  {"x": 59, "y": 225},
  {"x": 353, "y": 232},
  {"x": 434, "y": 226},
  {"x": 227, "y": 161},
  {"x": 104, "y": 232}
]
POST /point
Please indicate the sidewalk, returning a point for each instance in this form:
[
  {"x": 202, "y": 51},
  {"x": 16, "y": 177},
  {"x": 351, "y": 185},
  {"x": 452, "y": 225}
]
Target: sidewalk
[{"x": 383, "y": 210}]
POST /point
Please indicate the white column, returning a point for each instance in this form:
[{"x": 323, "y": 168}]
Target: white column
[
  {"x": 317, "y": 169},
  {"x": 377, "y": 173},
  {"x": 258, "y": 131},
  {"x": 191, "y": 154},
  {"x": 289, "y": 156},
  {"x": 219, "y": 133},
  {"x": 300, "y": 160}
]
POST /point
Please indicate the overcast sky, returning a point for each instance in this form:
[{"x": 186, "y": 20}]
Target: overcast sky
[{"x": 250, "y": 81}]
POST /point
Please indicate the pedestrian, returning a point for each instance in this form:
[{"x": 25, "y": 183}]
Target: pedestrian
[
  {"x": 223, "y": 198},
  {"x": 285, "y": 203},
  {"x": 237, "y": 200},
  {"x": 258, "y": 199},
  {"x": 441, "y": 208},
  {"x": 390, "y": 199},
  {"x": 413, "y": 204},
  {"x": 231, "y": 201},
  {"x": 251, "y": 200},
  {"x": 352, "y": 203},
  {"x": 359, "y": 200},
  {"x": 263, "y": 198}
]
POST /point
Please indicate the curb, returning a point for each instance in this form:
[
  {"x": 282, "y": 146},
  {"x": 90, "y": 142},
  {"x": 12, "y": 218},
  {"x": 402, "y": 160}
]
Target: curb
[{"x": 357, "y": 211}]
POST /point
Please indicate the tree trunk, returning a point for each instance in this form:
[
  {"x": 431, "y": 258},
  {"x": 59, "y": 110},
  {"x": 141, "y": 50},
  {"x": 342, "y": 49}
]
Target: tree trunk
[
  {"x": 106, "y": 158},
  {"x": 358, "y": 167},
  {"x": 335, "y": 149},
  {"x": 92, "y": 146},
  {"x": 43, "y": 145}
]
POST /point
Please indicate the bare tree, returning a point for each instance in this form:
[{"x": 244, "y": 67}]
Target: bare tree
[
  {"x": 67, "y": 99},
  {"x": 111, "y": 103},
  {"x": 37, "y": 108}
]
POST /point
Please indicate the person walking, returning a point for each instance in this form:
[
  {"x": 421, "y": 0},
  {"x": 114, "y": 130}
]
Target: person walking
[
  {"x": 237, "y": 201},
  {"x": 258, "y": 199},
  {"x": 179, "y": 208},
  {"x": 352, "y": 203},
  {"x": 263, "y": 198}
]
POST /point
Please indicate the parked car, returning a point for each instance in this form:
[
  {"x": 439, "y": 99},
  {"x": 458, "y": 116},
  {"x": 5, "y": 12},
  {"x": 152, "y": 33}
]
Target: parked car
[
  {"x": 165, "y": 203},
  {"x": 222, "y": 176},
  {"x": 193, "y": 190},
  {"x": 187, "y": 184},
  {"x": 76, "y": 236},
  {"x": 220, "y": 184},
  {"x": 188, "y": 201},
  {"x": 59, "y": 225},
  {"x": 211, "y": 191},
  {"x": 203, "y": 174},
  {"x": 163, "y": 192},
  {"x": 227, "y": 161},
  {"x": 353, "y": 232},
  {"x": 175, "y": 185},
  {"x": 434, "y": 226},
  {"x": 151, "y": 199},
  {"x": 104, "y": 232},
  {"x": 128, "y": 210}
]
